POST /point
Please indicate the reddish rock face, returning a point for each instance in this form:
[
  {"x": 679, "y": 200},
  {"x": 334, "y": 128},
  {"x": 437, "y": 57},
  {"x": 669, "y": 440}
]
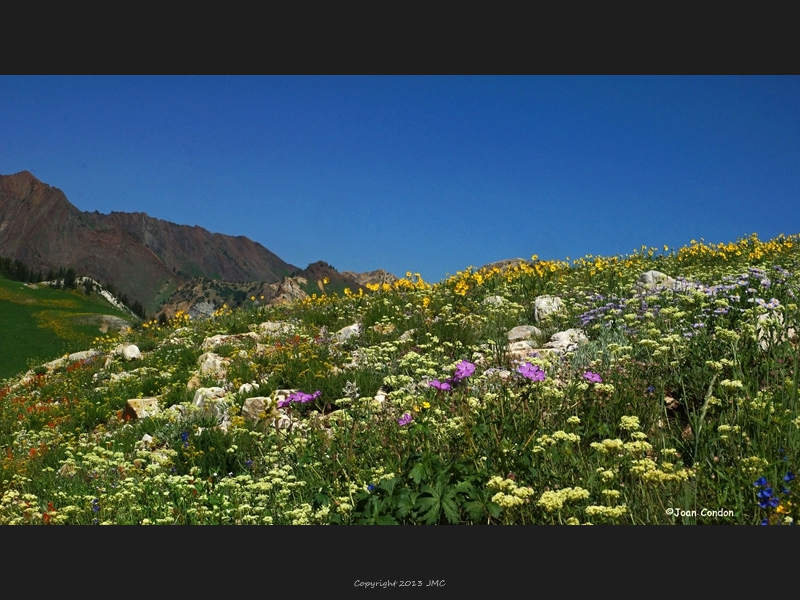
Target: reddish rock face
[{"x": 144, "y": 257}]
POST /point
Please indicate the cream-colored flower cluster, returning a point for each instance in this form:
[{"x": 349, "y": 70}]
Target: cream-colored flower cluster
[
  {"x": 629, "y": 423},
  {"x": 605, "y": 474},
  {"x": 510, "y": 494},
  {"x": 650, "y": 471},
  {"x": 554, "y": 500},
  {"x": 609, "y": 512},
  {"x": 608, "y": 446}
]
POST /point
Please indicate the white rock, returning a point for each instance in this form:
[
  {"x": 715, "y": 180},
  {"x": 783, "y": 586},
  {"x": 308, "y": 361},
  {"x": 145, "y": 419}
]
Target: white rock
[
  {"x": 253, "y": 407},
  {"x": 566, "y": 341},
  {"x": 246, "y": 388},
  {"x": 763, "y": 335},
  {"x": 519, "y": 350},
  {"x": 274, "y": 327},
  {"x": 494, "y": 300},
  {"x": 75, "y": 356},
  {"x": 131, "y": 352},
  {"x": 653, "y": 281},
  {"x": 523, "y": 332},
  {"x": 546, "y": 305},
  {"x": 212, "y": 364},
  {"x": 347, "y": 332},
  {"x": 407, "y": 335},
  {"x": 219, "y": 339},
  {"x": 211, "y": 402}
]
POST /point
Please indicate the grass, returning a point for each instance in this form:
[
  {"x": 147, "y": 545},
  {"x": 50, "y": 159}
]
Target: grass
[
  {"x": 681, "y": 408},
  {"x": 43, "y": 323}
]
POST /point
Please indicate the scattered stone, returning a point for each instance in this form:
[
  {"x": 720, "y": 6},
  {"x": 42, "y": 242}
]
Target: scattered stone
[
  {"x": 763, "y": 336},
  {"x": 76, "y": 356},
  {"x": 546, "y": 305},
  {"x": 140, "y": 408},
  {"x": 566, "y": 341},
  {"x": 127, "y": 351},
  {"x": 523, "y": 332},
  {"x": 346, "y": 332},
  {"x": 218, "y": 340},
  {"x": 254, "y": 407},
  {"x": 407, "y": 336},
  {"x": 289, "y": 290},
  {"x": 503, "y": 264},
  {"x": 520, "y": 350},
  {"x": 246, "y": 388},
  {"x": 194, "y": 382},
  {"x": 211, "y": 402},
  {"x": 131, "y": 352},
  {"x": 273, "y": 328},
  {"x": 202, "y": 310},
  {"x": 494, "y": 300},
  {"x": 213, "y": 364},
  {"x": 653, "y": 281}
]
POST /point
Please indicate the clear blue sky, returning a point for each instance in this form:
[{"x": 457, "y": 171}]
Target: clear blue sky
[{"x": 428, "y": 174}]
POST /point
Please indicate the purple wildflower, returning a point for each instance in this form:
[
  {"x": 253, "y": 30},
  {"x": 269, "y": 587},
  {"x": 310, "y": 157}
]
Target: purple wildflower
[
  {"x": 463, "y": 370},
  {"x": 592, "y": 377},
  {"x": 404, "y": 420},
  {"x": 439, "y": 385},
  {"x": 301, "y": 397},
  {"x": 532, "y": 372}
]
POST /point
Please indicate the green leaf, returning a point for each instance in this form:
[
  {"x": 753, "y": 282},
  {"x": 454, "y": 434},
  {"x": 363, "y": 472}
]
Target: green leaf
[
  {"x": 417, "y": 472},
  {"x": 385, "y": 520},
  {"x": 451, "y": 510}
]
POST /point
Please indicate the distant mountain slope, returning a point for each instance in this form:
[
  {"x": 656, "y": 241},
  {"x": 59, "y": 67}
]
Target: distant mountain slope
[
  {"x": 201, "y": 296},
  {"x": 144, "y": 257}
]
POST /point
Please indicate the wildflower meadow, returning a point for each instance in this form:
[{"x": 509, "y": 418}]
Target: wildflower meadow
[{"x": 659, "y": 387}]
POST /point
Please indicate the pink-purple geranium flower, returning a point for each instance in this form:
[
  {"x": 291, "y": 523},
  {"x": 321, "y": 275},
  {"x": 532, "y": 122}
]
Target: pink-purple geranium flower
[
  {"x": 301, "y": 397},
  {"x": 532, "y": 372},
  {"x": 404, "y": 420},
  {"x": 593, "y": 377},
  {"x": 464, "y": 369},
  {"x": 439, "y": 385}
]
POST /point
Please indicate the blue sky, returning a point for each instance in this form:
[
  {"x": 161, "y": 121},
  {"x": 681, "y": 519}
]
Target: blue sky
[{"x": 427, "y": 174}]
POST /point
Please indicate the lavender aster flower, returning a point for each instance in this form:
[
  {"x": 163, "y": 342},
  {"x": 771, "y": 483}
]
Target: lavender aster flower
[
  {"x": 404, "y": 420},
  {"x": 439, "y": 385}
]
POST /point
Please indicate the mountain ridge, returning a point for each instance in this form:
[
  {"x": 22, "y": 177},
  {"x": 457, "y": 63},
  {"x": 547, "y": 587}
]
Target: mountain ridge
[
  {"x": 147, "y": 258},
  {"x": 142, "y": 255}
]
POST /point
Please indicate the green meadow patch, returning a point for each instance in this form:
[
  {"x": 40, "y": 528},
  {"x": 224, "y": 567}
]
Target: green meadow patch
[{"x": 38, "y": 323}]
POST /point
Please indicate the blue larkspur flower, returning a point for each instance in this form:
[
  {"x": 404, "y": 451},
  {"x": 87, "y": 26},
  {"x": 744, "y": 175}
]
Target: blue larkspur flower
[
  {"x": 761, "y": 482},
  {"x": 788, "y": 477}
]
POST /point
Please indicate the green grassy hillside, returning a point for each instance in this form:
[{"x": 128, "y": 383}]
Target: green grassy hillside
[{"x": 38, "y": 323}]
